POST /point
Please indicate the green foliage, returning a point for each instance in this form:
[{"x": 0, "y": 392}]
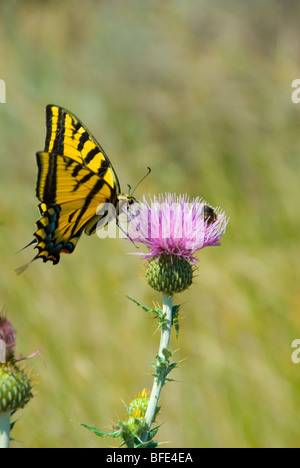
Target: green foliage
[
  {"x": 163, "y": 366},
  {"x": 158, "y": 313},
  {"x": 175, "y": 317},
  {"x": 129, "y": 433}
]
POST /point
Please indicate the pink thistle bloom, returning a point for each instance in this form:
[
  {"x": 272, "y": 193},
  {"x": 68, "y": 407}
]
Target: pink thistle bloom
[
  {"x": 8, "y": 335},
  {"x": 175, "y": 225}
]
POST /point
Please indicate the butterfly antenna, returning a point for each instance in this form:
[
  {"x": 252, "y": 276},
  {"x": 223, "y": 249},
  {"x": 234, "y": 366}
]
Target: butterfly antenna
[
  {"x": 143, "y": 178},
  {"x": 129, "y": 188}
]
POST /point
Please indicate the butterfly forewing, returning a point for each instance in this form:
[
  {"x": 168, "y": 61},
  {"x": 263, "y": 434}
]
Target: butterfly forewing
[
  {"x": 61, "y": 180},
  {"x": 67, "y": 136}
]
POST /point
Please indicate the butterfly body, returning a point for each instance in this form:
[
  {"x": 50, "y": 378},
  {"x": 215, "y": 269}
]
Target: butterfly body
[{"x": 75, "y": 177}]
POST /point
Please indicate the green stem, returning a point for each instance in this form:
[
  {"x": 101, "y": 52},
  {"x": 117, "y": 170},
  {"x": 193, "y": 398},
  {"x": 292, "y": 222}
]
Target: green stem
[
  {"x": 160, "y": 379},
  {"x": 4, "y": 429}
]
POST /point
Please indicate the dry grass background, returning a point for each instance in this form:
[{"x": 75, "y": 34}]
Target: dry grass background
[{"x": 201, "y": 92}]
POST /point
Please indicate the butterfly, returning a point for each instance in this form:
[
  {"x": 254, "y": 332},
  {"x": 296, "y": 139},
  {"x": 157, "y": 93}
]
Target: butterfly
[{"x": 75, "y": 177}]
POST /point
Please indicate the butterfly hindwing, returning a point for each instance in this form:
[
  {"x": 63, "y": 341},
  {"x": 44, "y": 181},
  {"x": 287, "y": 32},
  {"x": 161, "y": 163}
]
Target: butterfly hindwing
[{"x": 70, "y": 194}]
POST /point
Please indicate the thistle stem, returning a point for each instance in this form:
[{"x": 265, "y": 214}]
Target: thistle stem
[
  {"x": 4, "y": 429},
  {"x": 159, "y": 379}
]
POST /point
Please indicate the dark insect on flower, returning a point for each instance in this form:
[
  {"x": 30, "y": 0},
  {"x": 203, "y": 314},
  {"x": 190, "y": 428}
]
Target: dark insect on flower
[{"x": 209, "y": 214}]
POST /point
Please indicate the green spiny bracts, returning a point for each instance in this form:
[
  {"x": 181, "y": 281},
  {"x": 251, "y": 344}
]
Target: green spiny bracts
[
  {"x": 169, "y": 274},
  {"x": 136, "y": 412},
  {"x": 15, "y": 387},
  {"x": 136, "y": 425},
  {"x": 138, "y": 406}
]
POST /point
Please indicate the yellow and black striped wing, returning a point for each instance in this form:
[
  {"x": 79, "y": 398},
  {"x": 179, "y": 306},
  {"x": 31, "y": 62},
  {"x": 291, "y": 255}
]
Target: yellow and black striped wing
[
  {"x": 70, "y": 194},
  {"x": 67, "y": 136},
  {"x": 75, "y": 176}
]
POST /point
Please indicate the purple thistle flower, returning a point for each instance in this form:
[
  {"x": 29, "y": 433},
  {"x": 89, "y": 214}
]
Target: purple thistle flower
[
  {"x": 176, "y": 226},
  {"x": 8, "y": 335}
]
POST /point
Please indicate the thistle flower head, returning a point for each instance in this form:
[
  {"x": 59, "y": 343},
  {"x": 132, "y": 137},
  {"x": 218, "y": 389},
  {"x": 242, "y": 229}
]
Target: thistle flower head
[
  {"x": 15, "y": 383},
  {"x": 175, "y": 226},
  {"x": 8, "y": 335}
]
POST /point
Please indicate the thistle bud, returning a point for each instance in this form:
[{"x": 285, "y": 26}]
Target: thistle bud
[
  {"x": 138, "y": 406},
  {"x": 15, "y": 387},
  {"x": 169, "y": 274}
]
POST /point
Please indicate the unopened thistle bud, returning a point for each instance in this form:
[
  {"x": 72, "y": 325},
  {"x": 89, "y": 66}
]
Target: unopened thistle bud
[
  {"x": 15, "y": 387},
  {"x": 169, "y": 274},
  {"x": 138, "y": 406},
  {"x": 136, "y": 412}
]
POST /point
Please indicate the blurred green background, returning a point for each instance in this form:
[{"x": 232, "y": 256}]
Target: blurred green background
[{"x": 201, "y": 92}]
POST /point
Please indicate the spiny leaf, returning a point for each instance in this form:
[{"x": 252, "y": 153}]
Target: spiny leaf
[
  {"x": 156, "y": 310},
  {"x": 98, "y": 433}
]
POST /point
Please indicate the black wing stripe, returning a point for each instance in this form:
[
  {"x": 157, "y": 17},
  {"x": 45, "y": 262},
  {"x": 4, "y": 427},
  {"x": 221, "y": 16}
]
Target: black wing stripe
[
  {"x": 82, "y": 140},
  {"x": 76, "y": 170},
  {"x": 49, "y": 195},
  {"x": 97, "y": 187},
  {"x": 91, "y": 155},
  {"x": 84, "y": 179},
  {"x": 49, "y": 127},
  {"x": 103, "y": 168},
  {"x": 58, "y": 143},
  {"x": 40, "y": 169}
]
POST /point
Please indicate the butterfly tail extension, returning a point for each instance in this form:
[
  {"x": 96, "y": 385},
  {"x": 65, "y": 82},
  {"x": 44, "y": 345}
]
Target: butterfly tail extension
[
  {"x": 22, "y": 268},
  {"x": 41, "y": 254},
  {"x": 28, "y": 245}
]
